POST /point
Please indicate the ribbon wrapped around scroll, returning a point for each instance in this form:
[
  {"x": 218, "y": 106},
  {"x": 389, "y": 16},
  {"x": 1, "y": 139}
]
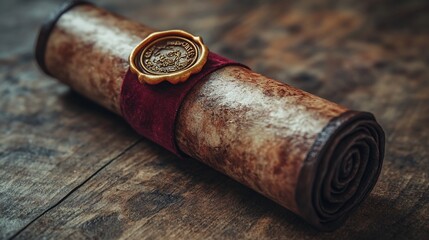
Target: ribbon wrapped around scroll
[{"x": 152, "y": 109}]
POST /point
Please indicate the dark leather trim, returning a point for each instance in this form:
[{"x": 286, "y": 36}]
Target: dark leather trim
[
  {"x": 304, "y": 192},
  {"x": 46, "y": 29}
]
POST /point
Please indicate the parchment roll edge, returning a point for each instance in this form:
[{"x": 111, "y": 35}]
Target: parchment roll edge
[
  {"x": 350, "y": 131},
  {"x": 46, "y": 29}
]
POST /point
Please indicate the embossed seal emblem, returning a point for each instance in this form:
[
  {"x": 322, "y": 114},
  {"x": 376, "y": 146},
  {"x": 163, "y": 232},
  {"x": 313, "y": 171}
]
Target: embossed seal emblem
[{"x": 168, "y": 56}]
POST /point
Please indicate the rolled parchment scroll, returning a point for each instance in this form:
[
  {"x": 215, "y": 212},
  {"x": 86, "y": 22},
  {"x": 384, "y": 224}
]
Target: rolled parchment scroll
[{"x": 314, "y": 157}]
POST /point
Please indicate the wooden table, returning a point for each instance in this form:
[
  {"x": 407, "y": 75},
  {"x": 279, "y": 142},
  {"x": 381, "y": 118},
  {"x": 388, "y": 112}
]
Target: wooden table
[{"x": 69, "y": 168}]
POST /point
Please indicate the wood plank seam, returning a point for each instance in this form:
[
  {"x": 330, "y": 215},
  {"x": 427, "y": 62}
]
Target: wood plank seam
[{"x": 77, "y": 187}]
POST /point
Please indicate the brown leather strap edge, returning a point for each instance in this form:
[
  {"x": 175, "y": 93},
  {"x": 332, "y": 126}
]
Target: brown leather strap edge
[{"x": 46, "y": 29}]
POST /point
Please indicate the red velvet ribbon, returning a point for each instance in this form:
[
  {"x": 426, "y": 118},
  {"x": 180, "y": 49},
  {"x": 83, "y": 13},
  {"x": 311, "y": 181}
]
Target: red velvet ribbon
[{"x": 152, "y": 109}]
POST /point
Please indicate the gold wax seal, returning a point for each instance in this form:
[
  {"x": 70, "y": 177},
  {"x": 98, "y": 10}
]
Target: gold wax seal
[{"x": 168, "y": 56}]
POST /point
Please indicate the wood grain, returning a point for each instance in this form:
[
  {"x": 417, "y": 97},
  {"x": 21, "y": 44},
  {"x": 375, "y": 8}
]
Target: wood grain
[
  {"x": 60, "y": 170},
  {"x": 49, "y": 143}
]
